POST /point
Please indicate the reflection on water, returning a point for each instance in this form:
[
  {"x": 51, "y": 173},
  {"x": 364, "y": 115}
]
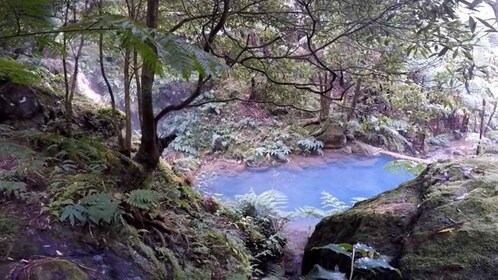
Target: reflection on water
[{"x": 347, "y": 180}]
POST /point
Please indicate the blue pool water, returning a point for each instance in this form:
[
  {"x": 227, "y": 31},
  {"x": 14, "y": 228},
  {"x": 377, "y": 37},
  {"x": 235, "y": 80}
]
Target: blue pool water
[{"x": 348, "y": 179}]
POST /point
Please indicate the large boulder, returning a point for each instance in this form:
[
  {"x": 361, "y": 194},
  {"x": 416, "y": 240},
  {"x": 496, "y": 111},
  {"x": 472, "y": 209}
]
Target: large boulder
[
  {"x": 17, "y": 102},
  {"x": 332, "y": 136},
  {"x": 441, "y": 225}
]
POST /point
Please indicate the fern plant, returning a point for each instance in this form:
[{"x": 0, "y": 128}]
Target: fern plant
[
  {"x": 330, "y": 205},
  {"x": 11, "y": 189},
  {"x": 143, "y": 199},
  {"x": 98, "y": 209},
  {"x": 277, "y": 150},
  {"x": 310, "y": 146},
  {"x": 18, "y": 73},
  {"x": 271, "y": 202}
]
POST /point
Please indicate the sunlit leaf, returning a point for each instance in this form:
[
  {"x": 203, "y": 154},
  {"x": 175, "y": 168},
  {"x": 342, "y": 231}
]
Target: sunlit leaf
[
  {"x": 337, "y": 248},
  {"x": 370, "y": 263}
]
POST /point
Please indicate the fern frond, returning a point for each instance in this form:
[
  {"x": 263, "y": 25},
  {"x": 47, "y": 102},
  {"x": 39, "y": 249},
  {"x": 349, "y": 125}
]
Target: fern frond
[
  {"x": 18, "y": 73},
  {"x": 11, "y": 189},
  {"x": 143, "y": 199}
]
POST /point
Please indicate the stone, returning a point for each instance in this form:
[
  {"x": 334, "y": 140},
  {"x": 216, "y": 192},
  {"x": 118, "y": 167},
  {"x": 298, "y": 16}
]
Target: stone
[
  {"x": 441, "y": 225},
  {"x": 362, "y": 149},
  {"x": 350, "y": 137},
  {"x": 332, "y": 137},
  {"x": 17, "y": 102}
]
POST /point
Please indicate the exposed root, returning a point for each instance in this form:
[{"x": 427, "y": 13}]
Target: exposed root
[
  {"x": 161, "y": 225},
  {"x": 160, "y": 235}
]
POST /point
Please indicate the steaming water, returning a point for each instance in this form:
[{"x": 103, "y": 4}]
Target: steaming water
[{"x": 347, "y": 180}]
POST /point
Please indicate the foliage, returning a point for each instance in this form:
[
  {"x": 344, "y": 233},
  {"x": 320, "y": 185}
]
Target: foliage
[
  {"x": 95, "y": 208},
  {"x": 330, "y": 205},
  {"x": 319, "y": 272},
  {"x": 310, "y": 146},
  {"x": 404, "y": 166},
  {"x": 143, "y": 199},
  {"x": 268, "y": 203},
  {"x": 82, "y": 153},
  {"x": 362, "y": 257},
  {"x": 277, "y": 150},
  {"x": 18, "y": 73},
  {"x": 15, "y": 190},
  {"x": 261, "y": 218}
]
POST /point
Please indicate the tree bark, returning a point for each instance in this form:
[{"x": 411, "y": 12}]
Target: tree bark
[
  {"x": 324, "y": 99},
  {"x": 109, "y": 87},
  {"x": 481, "y": 130},
  {"x": 356, "y": 95},
  {"x": 127, "y": 100},
  {"x": 148, "y": 154},
  {"x": 488, "y": 124}
]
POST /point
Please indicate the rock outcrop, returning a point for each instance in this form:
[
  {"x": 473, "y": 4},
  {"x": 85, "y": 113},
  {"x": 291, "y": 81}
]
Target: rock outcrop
[
  {"x": 441, "y": 225},
  {"x": 332, "y": 136}
]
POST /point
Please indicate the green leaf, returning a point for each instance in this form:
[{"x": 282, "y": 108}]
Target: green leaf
[
  {"x": 455, "y": 54},
  {"x": 364, "y": 249},
  {"x": 487, "y": 24},
  {"x": 443, "y": 51},
  {"x": 71, "y": 212},
  {"x": 337, "y": 248},
  {"x": 143, "y": 199},
  {"x": 370, "y": 263},
  {"x": 468, "y": 55},
  {"x": 319, "y": 272},
  {"x": 19, "y": 73},
  {"x": 472, "y": 24}
]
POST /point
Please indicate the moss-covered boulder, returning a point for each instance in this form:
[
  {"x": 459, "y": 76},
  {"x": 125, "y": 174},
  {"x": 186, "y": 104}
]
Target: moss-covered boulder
[
  {"x": 441, "y": 225},
  {"x": 332, "y": 136},
  {"x": 52, "y": 269}
]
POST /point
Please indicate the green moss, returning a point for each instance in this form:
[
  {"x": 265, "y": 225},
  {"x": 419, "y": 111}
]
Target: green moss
[
  {"x": 8, "y": 225},
  {"x": 49, "y": 269}
]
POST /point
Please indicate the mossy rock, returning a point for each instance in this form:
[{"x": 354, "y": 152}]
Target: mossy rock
[
  {"x": 52, "y": 269},
  {"x": 441, "y": 225},
  {"x": 332, "y": 136}
]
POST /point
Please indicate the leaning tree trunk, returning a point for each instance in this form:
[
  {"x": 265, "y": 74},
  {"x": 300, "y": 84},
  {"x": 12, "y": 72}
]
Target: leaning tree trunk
[{"x": 148, "y": 154}]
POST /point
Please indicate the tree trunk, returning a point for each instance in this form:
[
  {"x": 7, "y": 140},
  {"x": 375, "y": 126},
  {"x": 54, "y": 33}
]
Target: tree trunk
[
  {"x": 72, "y": 89},
  {"x": 136, "y": 73},
  {"x": 465, "y": 123},
  {"x": 148, "y": 153},
  {"x": 109, "y": 87},
  {"x": 127, "y": 100},
  {"x": 488, "y": 125},
  {"x": 481, "y": 130},
  {"x": 111, "y": 93},
  {"x": 324, "y": 99},
  {"x": 356, "y": 95}
]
